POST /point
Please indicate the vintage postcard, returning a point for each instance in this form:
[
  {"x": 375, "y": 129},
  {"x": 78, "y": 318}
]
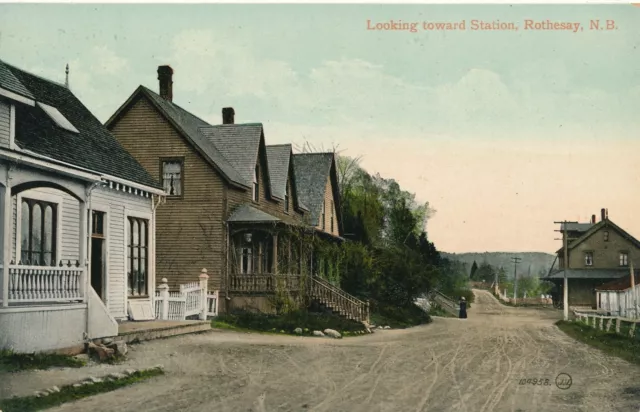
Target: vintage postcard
[{"x": 320, "y": 207}]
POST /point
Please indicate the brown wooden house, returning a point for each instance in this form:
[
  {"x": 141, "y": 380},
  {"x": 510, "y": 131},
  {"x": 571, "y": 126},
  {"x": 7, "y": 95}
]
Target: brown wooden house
[
  {"x": 235, "y": 206},
  {"x": 598, "y": 252}
]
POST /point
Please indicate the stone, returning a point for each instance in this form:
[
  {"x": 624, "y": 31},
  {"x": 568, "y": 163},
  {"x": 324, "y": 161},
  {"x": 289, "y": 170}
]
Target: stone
[
  {"x": 298, "y": 331},
  {"x": 130, "y": 371},
  {"x": 101, "y": 352},
  {"x": 119, "y": 347},
  {"x": 387, "y": 327},
  {"x": 107, "y": 341},
  {"x": 77, "y": 385},
  {"x": 40, "y": 394},
  {"x": 117, "y": 375},
  {"x": 53, "y": 389},
  {"x": 93, "y": 379},
  {"x": 380, "y": 327},
  {"x": 317, "y": 333},
  {"x": 333, "y": 333}
]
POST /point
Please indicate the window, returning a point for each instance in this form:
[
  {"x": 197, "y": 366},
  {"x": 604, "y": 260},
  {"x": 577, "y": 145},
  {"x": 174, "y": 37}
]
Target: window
[
  {"x": 97, "y": 224},
  {"x": 286, "y": 198},
  {"x": 256, "y": 187},
  {"x": 606, "y": 236},
  {"x": 324, "y": 210},
  {"x": 137, "y": 256},
  {"x": 38, "y": 232},
  {"x": 332, "y": 216},
  {"x": 624, "y": 259},
  {"x": 588, "y": 258},
  {"x": 172, "y": 177}
]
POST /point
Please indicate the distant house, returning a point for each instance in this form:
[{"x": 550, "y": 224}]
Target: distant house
[
  {"x": 77, "y": 220},
  {"x": 247, "y": 212},
  {"x": 598, "y": 253}
]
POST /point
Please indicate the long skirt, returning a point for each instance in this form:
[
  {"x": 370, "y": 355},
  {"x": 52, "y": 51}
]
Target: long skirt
[{"x": 463, "y": 313}]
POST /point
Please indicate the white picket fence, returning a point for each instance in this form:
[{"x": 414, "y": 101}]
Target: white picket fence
[
  {"x": 192, "y": 299},
  {"x": 605, "y": 323}
]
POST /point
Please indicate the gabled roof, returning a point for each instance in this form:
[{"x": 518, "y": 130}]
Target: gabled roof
[
  {"x": 93, "y": 147},
  {"x": 620, "y": 284},
  {"x": 246, "y": 213},
  {"x": 279, "y": 157},
  {"x": 608, "y": 224},
  {"x": 311, "y": 172},
  {"x": 239, "y": 144},
  {"x": 188, "y": 125}
]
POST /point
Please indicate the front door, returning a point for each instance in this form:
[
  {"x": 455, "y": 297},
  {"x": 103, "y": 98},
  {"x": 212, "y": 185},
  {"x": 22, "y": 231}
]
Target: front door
[{"x": 98, "y": 252}]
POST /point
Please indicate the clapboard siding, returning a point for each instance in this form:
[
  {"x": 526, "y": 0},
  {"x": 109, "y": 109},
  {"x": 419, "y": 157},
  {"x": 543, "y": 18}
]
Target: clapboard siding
[
  {"x": 330, "y": 211},
  {"x": 189, "y": 232},
  {"x": 117, "y": 204},
  {"x": 5, "y": 123}
]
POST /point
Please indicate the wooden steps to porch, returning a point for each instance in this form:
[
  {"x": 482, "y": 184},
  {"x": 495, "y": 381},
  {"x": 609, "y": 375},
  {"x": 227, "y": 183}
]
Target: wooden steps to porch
[
  {"x": 157, "y": 329},
  {"x": 339, "y": 301}
]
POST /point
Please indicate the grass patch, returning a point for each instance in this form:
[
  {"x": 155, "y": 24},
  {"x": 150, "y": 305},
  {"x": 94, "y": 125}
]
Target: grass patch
[
  {"x": 620, "y": 345},
  {"x": 12, "y": 362},
  {"x": 70, "y": 393},
  {"x": 399, "y": 317},
  {"x": 243, "y": 321},
  {"x": 436, "y": 310}
]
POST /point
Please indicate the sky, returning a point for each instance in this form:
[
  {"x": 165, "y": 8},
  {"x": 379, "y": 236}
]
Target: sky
[{"x": 503, "y": 132}]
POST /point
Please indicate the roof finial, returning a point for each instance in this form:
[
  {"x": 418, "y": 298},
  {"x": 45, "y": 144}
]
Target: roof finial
[{"x": 66, "y": 80}]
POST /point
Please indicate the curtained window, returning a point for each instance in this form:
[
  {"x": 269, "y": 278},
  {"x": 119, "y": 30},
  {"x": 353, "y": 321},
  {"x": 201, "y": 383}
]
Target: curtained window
[
  {"x": 172, "y": 177},
  {"x": 137, "y": 256}
]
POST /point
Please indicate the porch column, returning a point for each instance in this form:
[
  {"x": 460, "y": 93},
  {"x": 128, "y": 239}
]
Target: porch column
[
  {"x": 7, "y": 229},
  {"x": 84, "y": 238},
  {"x": 275, "y": 253}
]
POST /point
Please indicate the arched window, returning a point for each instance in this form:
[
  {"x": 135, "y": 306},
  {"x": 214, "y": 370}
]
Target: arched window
[{"x": 38, "y": 222}]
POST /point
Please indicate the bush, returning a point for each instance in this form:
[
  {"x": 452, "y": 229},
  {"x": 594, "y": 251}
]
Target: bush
[
  {"x": 398, "y": 316},
  {"x": 288, "y": 322}
]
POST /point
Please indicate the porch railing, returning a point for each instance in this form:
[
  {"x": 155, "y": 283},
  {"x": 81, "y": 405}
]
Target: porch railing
[
  {"x": 192, "y": 299},
  {"x": 265, "y": 283},
  {"x": 46, "y": 283},
  {"x": 338, "y": 300}
]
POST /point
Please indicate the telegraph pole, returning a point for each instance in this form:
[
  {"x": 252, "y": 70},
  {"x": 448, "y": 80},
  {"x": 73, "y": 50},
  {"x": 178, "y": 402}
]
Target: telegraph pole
[
  {"x": 515, "y": 261},
  {"x": 565, "y": 267}
]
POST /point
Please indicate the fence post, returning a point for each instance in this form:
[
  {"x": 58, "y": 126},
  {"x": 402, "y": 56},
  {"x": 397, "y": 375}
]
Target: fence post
[
  {"x": 204, "y": 280},
  {"x": 617, "y": 325},
  {"x": 632, "y": 330},
  {"x": 368, "y": 313},
  {"x": 164, "y": 299},
  {"x": 609, "y": 325},
  {"x": 600, "y": 324}
]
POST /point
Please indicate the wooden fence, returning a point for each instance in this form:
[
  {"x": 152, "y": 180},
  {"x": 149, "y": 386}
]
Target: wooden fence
[
  {"x": 605, "y": 323},
  {"x": 192, "y": 299}
]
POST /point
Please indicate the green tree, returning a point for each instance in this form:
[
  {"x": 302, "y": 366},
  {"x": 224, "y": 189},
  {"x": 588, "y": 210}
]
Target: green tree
[{"x": 474, "y": 269}]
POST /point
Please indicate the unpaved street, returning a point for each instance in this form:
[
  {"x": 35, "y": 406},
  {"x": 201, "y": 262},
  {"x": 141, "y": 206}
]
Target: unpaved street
[{"x": 450, "y": 365}]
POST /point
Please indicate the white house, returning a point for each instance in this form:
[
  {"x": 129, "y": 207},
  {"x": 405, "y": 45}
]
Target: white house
[{"x": 77, "y": 219}]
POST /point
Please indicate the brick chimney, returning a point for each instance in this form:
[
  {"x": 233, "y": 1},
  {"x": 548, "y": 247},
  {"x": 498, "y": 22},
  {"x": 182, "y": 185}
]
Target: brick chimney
[
  {"x": 165, "y": 80},
  {"x": 593, "y": 219},
  {"x": 602, "y": 214},
  {"x": 228, "y": 115}
]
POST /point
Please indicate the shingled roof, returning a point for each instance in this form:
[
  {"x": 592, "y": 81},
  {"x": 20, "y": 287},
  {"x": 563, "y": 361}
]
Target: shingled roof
[
  {"x": 93, "y": 147},
  {"x": 620, "y": 284},
  {"x": 588, "y": 274},
  {"x": 279, "y": 157},
  {"x": 246, "y": 213},
  {"x": 311, "y": 172}
]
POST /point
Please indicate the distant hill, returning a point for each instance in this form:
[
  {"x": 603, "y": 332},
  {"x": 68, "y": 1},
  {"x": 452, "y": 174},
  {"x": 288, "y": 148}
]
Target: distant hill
[{"x": 537, "y": 260}]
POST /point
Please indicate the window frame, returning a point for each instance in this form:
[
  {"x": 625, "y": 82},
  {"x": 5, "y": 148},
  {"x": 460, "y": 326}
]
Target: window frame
[
  {"x": 35, "y": 195},
  {"x": 129, "y": 258},
  {"x": 605, "y": 235},
  {"x": 255, "y": 189},
  {"x": 588, "y": 254},
  {"x": 625, "y": 254},
  {"x": 178, "y": 159},
  {"x": 286, "y": 197}
]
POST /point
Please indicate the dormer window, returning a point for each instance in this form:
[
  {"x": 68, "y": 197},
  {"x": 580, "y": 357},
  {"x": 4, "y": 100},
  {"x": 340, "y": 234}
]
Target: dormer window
[
  {"x": 173, "y": 177},
  {"x": 256, "y": 186},
  {"x": 58, "y": 118},
  {"x": 286, "y": 198},
  {"x": 606, "y": 236},
  {"x": 588, "y": 258}
]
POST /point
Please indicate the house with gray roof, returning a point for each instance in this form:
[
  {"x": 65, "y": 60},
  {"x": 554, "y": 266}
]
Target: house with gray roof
[
  {"x": 77, "y": 220},
  {"x": 598, "y": 253},
  {"x": 247, "y": 212}
]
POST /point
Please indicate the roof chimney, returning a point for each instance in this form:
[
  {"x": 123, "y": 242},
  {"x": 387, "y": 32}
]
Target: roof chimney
[
  {"x": 606, "y": 213},
  {"x": 593, "y": 219},
  {"x": 602, "y": 214},
  {"x": 165, "y": 78},
  {"x": 228, "y": 115}
]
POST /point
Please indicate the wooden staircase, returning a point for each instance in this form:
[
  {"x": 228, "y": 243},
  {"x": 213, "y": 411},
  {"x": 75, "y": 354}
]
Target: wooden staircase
[{"x": 339, "y": 301}]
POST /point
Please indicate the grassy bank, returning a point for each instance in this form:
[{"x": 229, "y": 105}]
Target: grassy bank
[
  {"x": 620, "y": 345},
  {"x": 398, "y": 317},
  {"x": 71, "y": 393},
  {"x": 286, "y": 323},
  {"x": 12, "y": 362}
]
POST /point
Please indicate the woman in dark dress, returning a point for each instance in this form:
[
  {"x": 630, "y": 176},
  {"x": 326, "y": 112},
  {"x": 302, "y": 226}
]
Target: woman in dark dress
[{"x": 463, "y": 308}]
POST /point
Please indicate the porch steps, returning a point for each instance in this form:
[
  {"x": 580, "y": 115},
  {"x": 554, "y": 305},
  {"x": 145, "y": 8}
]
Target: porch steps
[
  {"x": 157, "y": 329},
  {"x": 339, "y": 301}
]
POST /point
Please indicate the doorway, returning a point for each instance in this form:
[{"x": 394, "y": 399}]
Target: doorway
[{"x": 98, "y": 252}]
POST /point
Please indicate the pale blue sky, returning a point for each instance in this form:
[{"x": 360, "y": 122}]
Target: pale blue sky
[{"x": 315, "y": 73}]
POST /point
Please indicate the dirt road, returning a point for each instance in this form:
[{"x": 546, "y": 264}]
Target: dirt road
[{"x": 469, "y": 365}]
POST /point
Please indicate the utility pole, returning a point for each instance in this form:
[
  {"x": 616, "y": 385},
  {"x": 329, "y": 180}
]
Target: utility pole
[
  {"x": 565, "y": 267},
  {"x": 515, "y": 260}
]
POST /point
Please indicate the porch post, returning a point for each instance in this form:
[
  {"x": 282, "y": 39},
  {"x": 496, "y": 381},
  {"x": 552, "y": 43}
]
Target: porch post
[
  {"x": 275, "y": 253},
  {"x": 7, "y": 211},
  {"x": 84, "y": 280}
]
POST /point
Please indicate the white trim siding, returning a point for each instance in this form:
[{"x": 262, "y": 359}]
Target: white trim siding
[
  {"x": 151, "y": 278},
  {"x": 104, "y": 208}
]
